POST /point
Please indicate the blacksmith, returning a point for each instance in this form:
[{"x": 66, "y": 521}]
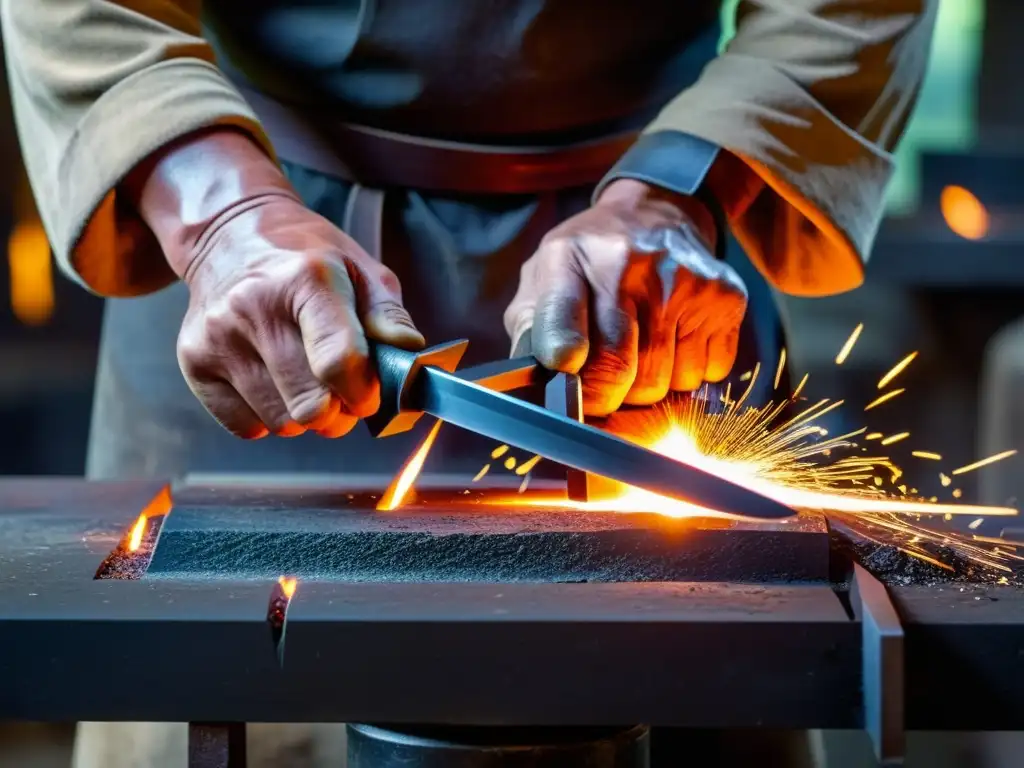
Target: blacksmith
[{"x": 263, "y": 185}]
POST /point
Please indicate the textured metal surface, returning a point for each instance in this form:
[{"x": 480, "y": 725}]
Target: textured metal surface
[
  {"x": 345, "y": 539},
  {"x": 216, "y": 745},
  {"x": 579, "y": 446},
  {"x": 710, "y": 655},
  {"x": 962, "y": 651},
  {"x": 882, "y": 638},
  {"x": 375, "y": 747}
]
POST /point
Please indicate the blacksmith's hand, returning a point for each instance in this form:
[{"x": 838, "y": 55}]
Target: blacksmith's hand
[
  {"x": 281, "y": 301},
  {"x": 629, "y": 295}
]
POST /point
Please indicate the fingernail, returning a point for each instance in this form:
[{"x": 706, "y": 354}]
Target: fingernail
[
  {"x": 565, "y": 351},
  {"x": 394, "y": 330}
]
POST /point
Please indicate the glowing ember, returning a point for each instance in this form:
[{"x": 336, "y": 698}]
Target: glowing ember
[
  {"x": 404, "y": 480},
  {"x": 135, "y": 539},
  {"x": 159, "y": 506},
  {"x": 288, "y": 586}
]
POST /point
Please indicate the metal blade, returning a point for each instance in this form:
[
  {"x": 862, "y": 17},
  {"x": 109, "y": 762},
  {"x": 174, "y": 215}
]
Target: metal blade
[{"x": 555, "y": 437}]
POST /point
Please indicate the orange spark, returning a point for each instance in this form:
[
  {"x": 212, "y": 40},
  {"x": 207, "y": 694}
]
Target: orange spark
[
  {"x": 527, "y": 466},
  {"x": 984, "y": 462},
  {"x": 964, "y": 213},
  {"x": 926, "y": 455},
  {"x": 288, "y": 586},
  {"x": 873, "y": 436},
  {"x": 510, "y": 463},
  {"x": 895, "y": 438},
  {"x": 776, "y": 481},
  {"x": 403, "y": 482},
  {"x": 883, "y": 399},
  {"x": 500, "y": 451},
  {"x": 480, "y": 475},
  {"x": 780, "y": 367},
  {"x": 848, "y": 345},
  {"x": 926, "y": 558},
  {"x": 799, "y": 387},
  {"x": 896, "y": 370}
]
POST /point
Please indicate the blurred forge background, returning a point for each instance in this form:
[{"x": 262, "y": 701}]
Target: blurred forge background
[{"x": 946, "y": 276}]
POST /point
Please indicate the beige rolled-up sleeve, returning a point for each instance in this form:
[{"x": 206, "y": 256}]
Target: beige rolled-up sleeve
[
  {"x": 97, "y": 86},
  {"x": 812, "y": 96}
]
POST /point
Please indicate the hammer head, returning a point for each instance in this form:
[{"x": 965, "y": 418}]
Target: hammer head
[{"x": 397, "y": 369}]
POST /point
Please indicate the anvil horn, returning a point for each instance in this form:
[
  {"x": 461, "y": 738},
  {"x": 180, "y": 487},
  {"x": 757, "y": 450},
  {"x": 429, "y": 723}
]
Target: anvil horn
[{"x": 397, "y": 370}]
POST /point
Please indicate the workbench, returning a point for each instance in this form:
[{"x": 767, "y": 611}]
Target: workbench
[{"x": 848, "y": 653}]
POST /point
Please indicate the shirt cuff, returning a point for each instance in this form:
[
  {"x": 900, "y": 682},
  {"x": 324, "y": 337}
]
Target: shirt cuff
[{"x": 676, "y": 162}]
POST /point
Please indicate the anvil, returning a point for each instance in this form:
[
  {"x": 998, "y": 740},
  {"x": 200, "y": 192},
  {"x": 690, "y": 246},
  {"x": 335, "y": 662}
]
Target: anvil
[{"x": 190, "y": 645}]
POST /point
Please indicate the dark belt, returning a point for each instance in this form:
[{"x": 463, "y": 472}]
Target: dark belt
[{"x": 374, "y": 160}]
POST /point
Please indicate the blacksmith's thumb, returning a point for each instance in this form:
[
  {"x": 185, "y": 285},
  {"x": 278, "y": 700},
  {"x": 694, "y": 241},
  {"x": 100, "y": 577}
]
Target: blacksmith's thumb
[{"x": 385, "y": 319}]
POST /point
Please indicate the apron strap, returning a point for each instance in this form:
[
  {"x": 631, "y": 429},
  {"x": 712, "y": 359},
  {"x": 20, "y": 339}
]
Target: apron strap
[
  {"x": 363, "y": 219},
  {"x": 385, "y": 159}
]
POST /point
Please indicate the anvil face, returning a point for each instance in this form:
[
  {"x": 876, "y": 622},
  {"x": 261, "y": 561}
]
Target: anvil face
[{"x": 454, "y": 535}]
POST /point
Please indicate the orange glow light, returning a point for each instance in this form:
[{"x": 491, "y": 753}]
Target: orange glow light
[
  {"x": 964, "y": 213},
  {"x": 402, "y": 484},
  {"x": 160, "y": 505},
  {"x": 678, "y": 444},
  {"x": 135, "y": 539},
  {"x": 28, "y": 255},
  {"x": 288, "y": 586}
]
